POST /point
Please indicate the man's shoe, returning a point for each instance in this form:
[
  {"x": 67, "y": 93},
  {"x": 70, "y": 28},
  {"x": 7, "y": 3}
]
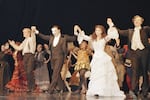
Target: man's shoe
[
  {"x": 50, "y": 92},
  {"x": 77, "y": 92},
  {"x": 145, "y": 94},
  {"x": 61, "y": 91},
  {"x": 96, "y": 96},
  {"x": 28, "y": 91},
  {"x": 132, "y": 95}
]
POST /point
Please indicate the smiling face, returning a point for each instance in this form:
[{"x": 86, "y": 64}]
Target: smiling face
[
  {"x": 39, "y": 48},
  {"x": 83, "y": 45},
  {"x": 110, "y": 22},
  {"x": 137, "y": 21},
  {"x": 46, "y": 46},
  {"x": 55, "y": 30},
  {"x": 2, "y": 48},
  {"x": 6, "y": 45},
  {"x": 98, "y": 31},
  {"x": 26, "y": 32}
]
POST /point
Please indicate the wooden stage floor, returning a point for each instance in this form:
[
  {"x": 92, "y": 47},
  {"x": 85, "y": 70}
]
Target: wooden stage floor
[{"x": 58, "y": 96}]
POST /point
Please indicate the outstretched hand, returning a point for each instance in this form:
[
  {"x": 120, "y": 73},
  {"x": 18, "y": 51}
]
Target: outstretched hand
[
  {"x": 77, "y": 30},
  {"x": 34, "y": 29},
  {"x": 11, "y": 42}
]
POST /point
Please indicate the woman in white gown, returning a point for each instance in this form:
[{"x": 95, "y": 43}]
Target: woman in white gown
[{"x": 103, "y": 79}]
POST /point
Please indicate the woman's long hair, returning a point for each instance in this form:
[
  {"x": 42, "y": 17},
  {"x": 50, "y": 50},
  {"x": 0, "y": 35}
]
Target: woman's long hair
[{"x": 94, "y": 36}]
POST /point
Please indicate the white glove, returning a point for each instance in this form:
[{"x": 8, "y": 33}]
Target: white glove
[{"x": 36, "y": 32}]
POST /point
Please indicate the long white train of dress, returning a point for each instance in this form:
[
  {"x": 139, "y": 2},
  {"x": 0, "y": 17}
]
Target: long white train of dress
[{"x": 103, "y": 79}]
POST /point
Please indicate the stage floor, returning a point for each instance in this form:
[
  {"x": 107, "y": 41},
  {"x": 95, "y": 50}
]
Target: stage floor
[{"x": 58, "y": 96}]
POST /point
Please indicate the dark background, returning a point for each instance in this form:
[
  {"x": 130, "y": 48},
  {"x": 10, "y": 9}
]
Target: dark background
[{"x": 17, "y": 14}]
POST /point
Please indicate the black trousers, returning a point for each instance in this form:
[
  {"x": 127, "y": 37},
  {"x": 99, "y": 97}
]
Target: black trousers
[
  {"x": 56, "y": 64},
  {"x": 139, "y": 60},
  {"x": 28, "y": 62}
]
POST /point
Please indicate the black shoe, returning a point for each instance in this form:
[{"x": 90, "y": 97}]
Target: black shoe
[
  {"x": 51, "y": 92},
  {"x": 132, "y": 95},
  {"x": 45, "y": 91},
  {"x": 61, "y": 91},
  {"x": 28, "y": 91},
  {"x": 8, "y": 90},
  {"x": 55, "y": 91},
  {"x": 77, "y": 92},
  {"x": 139, "y": 92},
  {"x": 145, "y": 94},
  {"x": 96, "y": 96}
]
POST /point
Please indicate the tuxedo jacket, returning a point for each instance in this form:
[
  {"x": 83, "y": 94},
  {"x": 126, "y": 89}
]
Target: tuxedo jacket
[
  {"x": 144, "y": 35},
  {"x": 60, "y": 50}
]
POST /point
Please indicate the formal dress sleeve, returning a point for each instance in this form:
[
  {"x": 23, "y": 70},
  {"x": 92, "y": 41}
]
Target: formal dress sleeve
[
  {"x": 147, "y": 28},
  {"x": 113, "y": 33},
  {"x": 123, "y": 32},
  {"x": 44, "y": 37},
  {"x": 70, "y": 38},
  {"x": 33, "y": 39},
  {"x": 64, "y": 48},
  {"x": 20, "y": 47},
  {"x": 82, "y": 36}
]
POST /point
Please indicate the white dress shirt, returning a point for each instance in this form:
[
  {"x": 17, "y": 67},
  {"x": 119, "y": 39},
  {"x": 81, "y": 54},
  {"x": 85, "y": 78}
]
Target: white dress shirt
[
  {"x": 28, "y": 45},
  {"x": 56, "y": 40},
  {"x": 136, "y": 42}
]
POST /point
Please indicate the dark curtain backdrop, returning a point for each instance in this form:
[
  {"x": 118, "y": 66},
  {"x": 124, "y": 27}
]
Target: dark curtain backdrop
[{"x": 17, "y": 14}]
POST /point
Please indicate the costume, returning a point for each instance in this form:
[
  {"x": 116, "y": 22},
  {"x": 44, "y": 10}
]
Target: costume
[
  {"x": 41, "y": 72},
  {"x": 103, "y": 79},
  {"x": 83, "y": 61},
  {"x": 18, "y": 81}
]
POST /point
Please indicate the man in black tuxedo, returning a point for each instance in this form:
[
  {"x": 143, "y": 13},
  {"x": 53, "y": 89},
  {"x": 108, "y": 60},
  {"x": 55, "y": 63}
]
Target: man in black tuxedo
[
  {"x": 138, "y": 50},
  {"x": 58, "y": 48}
]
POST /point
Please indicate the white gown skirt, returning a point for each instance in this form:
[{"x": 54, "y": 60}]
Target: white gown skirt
[{"x": 103, "y": 79}]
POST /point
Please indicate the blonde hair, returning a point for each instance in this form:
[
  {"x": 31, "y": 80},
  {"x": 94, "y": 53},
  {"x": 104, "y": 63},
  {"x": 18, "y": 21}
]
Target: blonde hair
[
  {"x": 27, "y": 30},
  {"x": 138, "y": 16}
]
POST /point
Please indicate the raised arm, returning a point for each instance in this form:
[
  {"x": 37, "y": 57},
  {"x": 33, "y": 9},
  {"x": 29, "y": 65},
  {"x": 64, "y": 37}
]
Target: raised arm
[
  {"x": 121, "y": 32},
  {"x": 70, "y": 38},
  {"x": 77, "y": 29},
  {"x": 81, "y": 34},
  {"x": 42, "y": 36},
  {"x": 33, "y": 31},
  {"x": 33, "y": 38},
  {"x": 15, "y": 46}
]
